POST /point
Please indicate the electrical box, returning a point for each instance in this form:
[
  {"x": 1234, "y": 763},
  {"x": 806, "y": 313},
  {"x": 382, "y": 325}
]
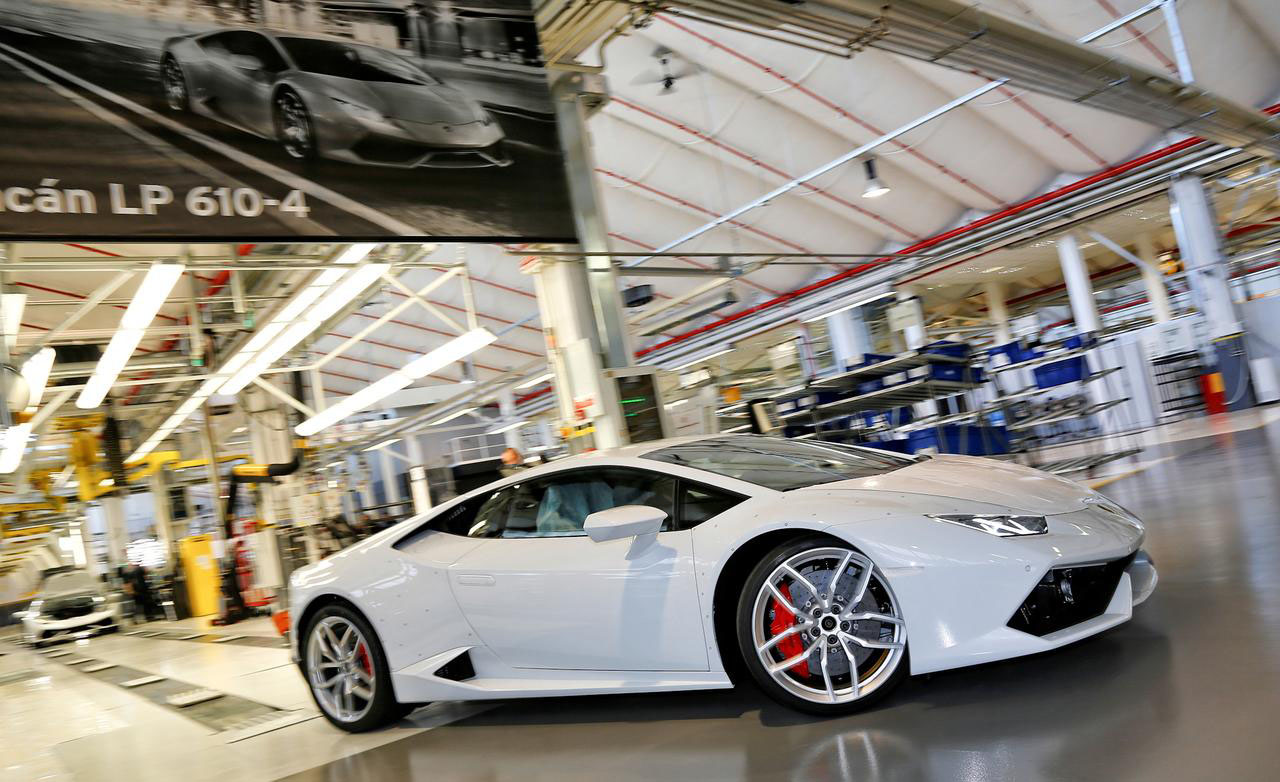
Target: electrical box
[{"x": 644, "y": 417}]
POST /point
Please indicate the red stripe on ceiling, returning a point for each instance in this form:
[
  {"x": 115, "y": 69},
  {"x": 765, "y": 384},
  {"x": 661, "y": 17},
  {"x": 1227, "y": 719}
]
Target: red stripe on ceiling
[
  {"x": 420, "y": 350},
  {"x": 1017, "y": 100},
  {"x": 1140, "y": 36},
  {"x": 46, "y": 289},
  {"x": 803, "y": 90},
  {"x": 703, "y": 210},
  {"x": 760, "y": 163},
  {"x": 456, "y": 308},
  {"x": 1010, "y": 211}
]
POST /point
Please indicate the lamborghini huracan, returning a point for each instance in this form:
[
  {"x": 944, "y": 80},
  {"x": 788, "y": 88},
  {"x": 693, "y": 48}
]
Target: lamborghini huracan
[
  {"x": 329, "y": 97},
  {"x": 827, "y": 572}
]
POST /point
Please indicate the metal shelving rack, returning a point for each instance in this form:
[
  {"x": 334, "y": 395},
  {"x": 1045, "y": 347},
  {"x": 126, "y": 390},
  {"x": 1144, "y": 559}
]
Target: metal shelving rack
[{"x": 1029, "y": 435}]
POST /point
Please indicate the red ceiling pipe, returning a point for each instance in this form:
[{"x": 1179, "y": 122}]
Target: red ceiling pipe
[{"x": 1030, "y": 203}]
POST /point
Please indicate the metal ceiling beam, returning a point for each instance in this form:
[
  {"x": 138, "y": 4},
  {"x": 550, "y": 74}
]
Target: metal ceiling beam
[{"x": 968, "y": 38}]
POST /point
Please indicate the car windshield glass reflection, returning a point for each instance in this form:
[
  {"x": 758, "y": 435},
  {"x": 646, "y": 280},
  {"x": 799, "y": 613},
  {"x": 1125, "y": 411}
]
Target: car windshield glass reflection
[
  {"x": 346, "y": 61},
  {"x": 781, "y": 464}
]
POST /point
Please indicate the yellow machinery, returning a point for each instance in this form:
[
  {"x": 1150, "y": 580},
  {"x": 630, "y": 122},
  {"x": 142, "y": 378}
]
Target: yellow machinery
[{"x": 201, "y": 569}]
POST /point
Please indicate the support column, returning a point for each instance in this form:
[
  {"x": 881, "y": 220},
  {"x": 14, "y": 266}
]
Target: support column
[
  {"x": 998, "y": 311},
  {"x": 270, "y": 442},
  {"x": 163, "y": 519},
  {"x": 418, "y": 485},
  {"x": 1152, "y": 279},
  {"x": 507, "y": 414},
  {"x": 909, "y": 314},
  {"x": 117, "y": 533},
  {"x": 390, "y": 486},
  {"x": 1196, "y": 226},
  {"x": 1075, "y": 273}
]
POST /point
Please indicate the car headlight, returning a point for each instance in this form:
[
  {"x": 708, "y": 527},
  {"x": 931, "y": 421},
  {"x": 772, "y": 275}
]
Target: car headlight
[
  {"x": 1000, "y": 525},
  {"x": 99, "y": 599},
  {"x": 33, "y": 608},
  {"x": 360, "y": 112}
]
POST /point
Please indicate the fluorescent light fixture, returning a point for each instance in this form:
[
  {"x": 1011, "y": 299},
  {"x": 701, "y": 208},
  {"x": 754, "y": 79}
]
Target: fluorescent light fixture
[
  {"x": 383, "y": 444},
  {"x": 856, "y": 303},
  {"x": 15, "y": 444},
  {"x": 147, "y": 301},
  {"x": 450, "y": 352},
  {"x": 509, "y": 427},
  {"x": 699, "y": 360},
  {"x": 875, "y": 186},
  {"x": 356, "y": 253},
  {"x": 36, "y": 371},
  {"x": 536, "y": 381},
  {"x": 677, "y": 403},
  {"x": 11, "y": 307},
  {"x": 452, "y": 416}
]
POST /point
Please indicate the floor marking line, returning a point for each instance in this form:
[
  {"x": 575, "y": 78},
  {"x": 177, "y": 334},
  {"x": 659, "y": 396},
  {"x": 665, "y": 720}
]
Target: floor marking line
[
  {"x": 192, "y": 163},
  {"x": 282, "y": 176}
]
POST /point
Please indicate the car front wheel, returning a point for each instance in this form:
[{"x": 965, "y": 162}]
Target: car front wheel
[
  {"x": 293, "y": 126},
  {"x": 820, "y": 629},
  {"x": 174, "y": 81},
  {"x": 347, "y": 671}
]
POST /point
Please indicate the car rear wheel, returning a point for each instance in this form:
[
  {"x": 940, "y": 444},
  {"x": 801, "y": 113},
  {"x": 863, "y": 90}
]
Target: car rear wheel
[
  {"x": 293, "y": 126},
  {"x": 820, "y": 629},
  {"x": 347, "y": 671},
  {"x": 174, "y": 81}
]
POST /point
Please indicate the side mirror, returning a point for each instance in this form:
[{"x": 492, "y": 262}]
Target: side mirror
[{"x": 624, "y": 521}]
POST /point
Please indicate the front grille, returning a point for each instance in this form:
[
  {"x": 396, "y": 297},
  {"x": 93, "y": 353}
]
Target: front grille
[
  {"x": 70, "y": 609},
  {"x": 1067, "y": 596},
  {"x": 380, "y": 149}
]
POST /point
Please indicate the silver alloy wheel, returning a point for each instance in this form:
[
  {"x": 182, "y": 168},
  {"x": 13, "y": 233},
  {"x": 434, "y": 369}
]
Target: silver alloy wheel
[
  {"x": 175, "y": 85},
  {"x": 294, "y": 125},
  {"x": 340, "y": 669},
  {"x": 827, "y": 627}
]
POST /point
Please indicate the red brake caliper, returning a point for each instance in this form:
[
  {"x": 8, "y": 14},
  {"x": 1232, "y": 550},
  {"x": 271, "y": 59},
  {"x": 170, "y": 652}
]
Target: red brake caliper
[
  {"x": 363, "y": 654},
  {"x": 791, "y": 645}
]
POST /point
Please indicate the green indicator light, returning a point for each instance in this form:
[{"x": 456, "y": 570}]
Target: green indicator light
[{"x": 635, "y": 401}]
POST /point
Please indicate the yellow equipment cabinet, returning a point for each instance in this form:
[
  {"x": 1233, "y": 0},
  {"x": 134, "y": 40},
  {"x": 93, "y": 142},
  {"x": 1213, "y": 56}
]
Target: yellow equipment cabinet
[{"x": 201, "y": 569}]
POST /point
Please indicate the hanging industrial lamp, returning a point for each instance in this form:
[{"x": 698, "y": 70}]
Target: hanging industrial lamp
[{"x": 875, "y": 186}]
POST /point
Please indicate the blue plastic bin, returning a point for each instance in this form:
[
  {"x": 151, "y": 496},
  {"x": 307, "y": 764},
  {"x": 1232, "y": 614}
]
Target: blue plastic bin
[
  {"x": 968, "y": 439},
  {"x": 1068, "y": 370}
]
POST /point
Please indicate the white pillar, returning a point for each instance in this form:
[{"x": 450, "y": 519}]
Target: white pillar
[
  {"x": 91, "y": 562},
  {"x": 418, "y": 485},
  {"x": 1075, "y": 273},
  {"x": 1152, "y": 279},
  {"x": 113, "y": 522},
  {"x": 391, "y": 486},
  {"x": 163, "y": 519},
  {"x": 507, "y": 414},
  {"x": 999, "y": 311},
  {"x": 1196, "y": 226}
]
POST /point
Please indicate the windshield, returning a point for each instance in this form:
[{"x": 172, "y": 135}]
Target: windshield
[
  {"x": 781, "y": 464},
  {"x": 352, "y": 61}
]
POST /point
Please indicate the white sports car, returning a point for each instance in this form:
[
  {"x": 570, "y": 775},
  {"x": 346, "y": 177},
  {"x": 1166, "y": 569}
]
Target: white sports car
[
  {"x": 69, "y": 605},
  {"x": 828, "y": 572}
]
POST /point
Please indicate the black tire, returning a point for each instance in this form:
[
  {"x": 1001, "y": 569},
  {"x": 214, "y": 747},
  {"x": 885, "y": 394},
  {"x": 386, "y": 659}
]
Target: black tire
[
  {"x": 746, "y": 616},
  {"x": 294, "y": 127},
  {"x": 174, "y": 85},
  {"x": 383, "y": 709}
]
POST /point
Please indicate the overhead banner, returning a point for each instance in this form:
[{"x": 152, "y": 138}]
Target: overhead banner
[{"x": 277, "y": 119}]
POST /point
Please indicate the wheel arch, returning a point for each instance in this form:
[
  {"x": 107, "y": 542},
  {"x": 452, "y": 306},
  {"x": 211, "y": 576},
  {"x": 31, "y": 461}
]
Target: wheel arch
[
  {"x": 312, "y": 608},
  {"x": 733, "y": 576}
]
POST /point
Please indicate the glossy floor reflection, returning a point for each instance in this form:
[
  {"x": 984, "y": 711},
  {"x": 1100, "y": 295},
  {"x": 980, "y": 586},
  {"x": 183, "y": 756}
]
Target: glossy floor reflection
[{"x": 1189, "y": 690}]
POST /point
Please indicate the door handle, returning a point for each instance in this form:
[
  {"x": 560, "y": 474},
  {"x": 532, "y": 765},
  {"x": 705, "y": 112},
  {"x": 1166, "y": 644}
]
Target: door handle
[{"x": 476, "y": 580}]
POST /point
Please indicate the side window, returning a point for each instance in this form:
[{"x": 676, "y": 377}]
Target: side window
[
  {"x": 557, "y": 506},
  {"x": 479, "y": 517},
  {"x": 699, "y": 503},
  {"x": 215, "y": 44},
  {"x": 256, "y": 45}
]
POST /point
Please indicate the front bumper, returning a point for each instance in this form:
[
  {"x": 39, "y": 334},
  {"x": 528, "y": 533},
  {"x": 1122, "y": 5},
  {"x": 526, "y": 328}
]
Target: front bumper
[{"x": 39, "y": 630}]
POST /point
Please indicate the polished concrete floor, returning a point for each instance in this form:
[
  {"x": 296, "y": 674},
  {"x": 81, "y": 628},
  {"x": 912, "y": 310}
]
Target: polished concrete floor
[{"x": 1188, "y": 690}]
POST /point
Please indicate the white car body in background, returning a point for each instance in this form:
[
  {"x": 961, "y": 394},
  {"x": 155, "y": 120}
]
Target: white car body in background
[{"x": 69, "y": 605}]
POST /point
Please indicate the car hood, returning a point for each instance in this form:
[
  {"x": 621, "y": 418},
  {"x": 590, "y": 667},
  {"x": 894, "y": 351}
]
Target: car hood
[
  {"x": 427, "y": 104},
  {"x": 985, "y": 481}
]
